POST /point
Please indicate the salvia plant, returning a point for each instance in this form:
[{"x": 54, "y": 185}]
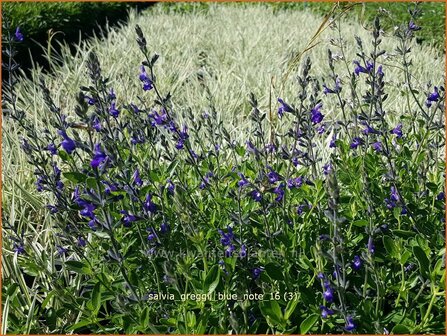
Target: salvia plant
[{"x": 163, "y": 223}]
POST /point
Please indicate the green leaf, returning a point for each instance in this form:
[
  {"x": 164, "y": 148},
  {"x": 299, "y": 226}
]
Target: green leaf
[
  {"x": 272, "y": 311},
  {"x": 424, "y": 264},
  {"x": 291, "y": 305},
  {"x": 212, "y": 279},
  {"x": 78, "y": 267},
  {"x": 80, "y": 324},
  {"x": 390, "y": 246},
  {"x": 404, "y": 234},
  {"x": 360, "y": 223},
  {"x": 75, "y": 177},
  {"x": 308, "y": 323},
  {"x": 274, "y": 271},
  {"x": 400, "y": 329},
  {"x": 96, "y": 297}
]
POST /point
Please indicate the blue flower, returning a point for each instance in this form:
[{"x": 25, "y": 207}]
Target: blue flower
[
  {"x": 377, "y": 146},
  {"x": 256, "y": 196},
  {"x": 441, "y": 196},
  {"x": 361, "y": 69},
  {"x": 90, "y": 100},
  {"x": 413, "y": 27},
  {"x": 226, "y": 238},
  {"x": 81, "y": 242},
  {"x": 369, "y": 129},
  {"x": 283, "y": 108},
  {"x": 350, "y": 325},
  {"x": 171, "y": 187},
  {"x": 114, "y": 112},
  {"x": 356, "y": 142},
  {"x": 67, "y": 144},
  {"x": 279, "y": 191},
  {"x": 98, "y": 156},
  {"x": 88, "y": 210},
  {"x": 380, "y": 72},
  {"x": 328, "y": 294},
  {"x": 397, "y": 131},
  {"x": 325, "y": 312},
  {"x": 243, "y": 181},
  {"x": 243, "y": 251},
  {"x": 433, "y": 97},
  {"x": 337, "y": 88},
  {"x": 357, "y": 263},
  {"x": 296, "y": 182},
  {"x": 316, "y": 115},
  {"x": 52, "y": 148},
  {"x": 164, "y": 227},
  {"x": 61, "y": 250},
  {"x": 96, "y": 124},
  {"x": 256, "y": 272},
  {"x": 273, "y": 176},
  {"x": 127, "y": 218},
  {"x": 136, "y": 178},
  {"x": 147, "y": 82},
  {"x": 148, "y": 205},
  {"x": 19, "y": 248},
  {"x": 18, "y": 36},
  {"x": 327, "y": 168},
  {"x": 332, "y": 143},
  {"x": 112, "y": 95}
]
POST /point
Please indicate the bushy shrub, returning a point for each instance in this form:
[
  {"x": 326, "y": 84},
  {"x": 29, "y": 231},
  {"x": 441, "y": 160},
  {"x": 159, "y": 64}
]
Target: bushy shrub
[{"x": 172, "y": 226}]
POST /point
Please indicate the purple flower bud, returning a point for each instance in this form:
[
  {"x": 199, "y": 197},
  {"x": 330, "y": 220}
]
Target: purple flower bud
[
  {"x": 18, "y": 36},
  {"x": 328, "y": 294},
  {"x": 164, "y": 227},
  {"x": 19, "y": 248},
  {"x": 256, "y": 272},
  {"x": 52, "y": 148},
  {"x": 357, "y": 263},
  {"x": 279, "y": 191},
  {"x": 136, "y": 178},
  {"x": 327, "y": 168},
  {"x": 243, "y": 181},
  {"x": 112, "y": 95},
  {"x": 148, "y": 205},
  {"x": 350, "y": 325},
  {"x": 243, "y": 251},
  {"x": 441, "y": 196},
  {"x": 81, "y": 242},
  {"x": 127, "y": 218},
  {"x": 371, "y": 247},
  {"x": 413, "y": 27},
  {"x": 377, "y": 146},
  {"x": 332, "y": 144}
]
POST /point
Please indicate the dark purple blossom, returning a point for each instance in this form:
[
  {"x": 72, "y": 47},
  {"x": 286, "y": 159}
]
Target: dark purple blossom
[
  {"x": 332, "y": 144},
  {"x": 136, "y": 178},
  {"x": 279, "y": 192},
  {"x": 148, "y": 205},
  {"x": 243, "y": 251},
  {"x": 368, "y": 129},
  {"x": 361, "y": 69},
  {"x": 243, "y": 181},
  {"x": 273, "y": 176},
  {"x": 81, "y": 242},
  {"x": 356, "y": 142},
  {"x": 127, "y": 218},
  {"x": 296, "y": 182},
  {"x": 337, "y": 88},
  {"x": 397, "y": 131},
  {"x": 18, "y": 36},
  {"x": 226, "y": 238},
  {"x": 325, "y": 312},
  {"x": 112, "y": 95},
  {"x": 19, "y": 248},
  {"x": 90, "y": 100},
  {"x": 114, "y": 112},
  {"x": 98, "y": 156},
  {"x": 144, "y": 78},
  {"x": 96, "y": 124},
  {"x": 256, "y": 272},
  {"x": 357, "y": 263},
  {"x": 316, "y": 115},
  {"x": 432, "y": 97},
  {"x": 164, "y": 227},
  {"x": 67, "y": 144},
  {"x": 327, "y": 168},
  {"x": 441, "y": 196},
  {"x": 52, "y": 148},
  {"x": 88, "y": 210},
  {"x": 350, "y": 325},
  {"x": 170, "y": 187},
  {"x": 61, "y": 250},
  {"x": 413, "y": 27},
  {"x": 283, "y": 108},
  {"x": 328, "y": 294},
  {"x": 377, "y": 146},
  {"x": 256, "y": 195}
]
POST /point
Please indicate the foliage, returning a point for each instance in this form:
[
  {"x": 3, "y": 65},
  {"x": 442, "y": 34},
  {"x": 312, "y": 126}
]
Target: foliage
[{"x": 147, "y": 198}]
